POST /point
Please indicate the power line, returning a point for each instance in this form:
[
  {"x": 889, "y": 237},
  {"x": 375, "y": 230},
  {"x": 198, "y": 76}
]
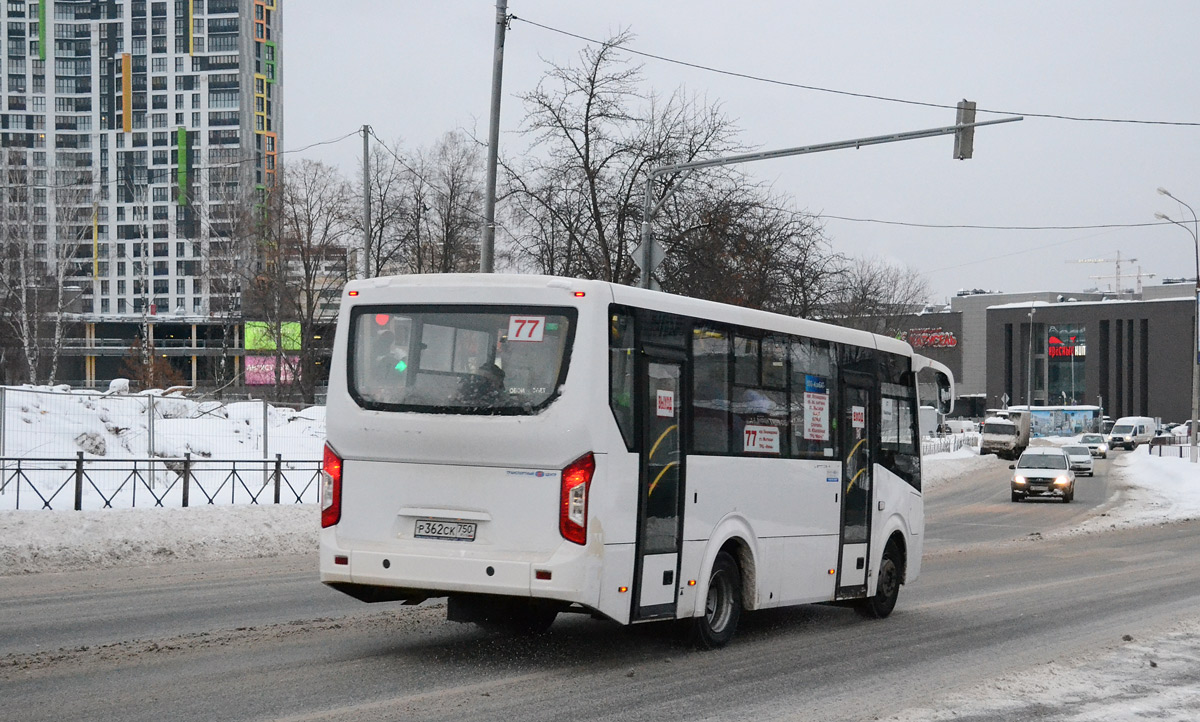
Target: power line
[
  {"x": 1043, "y": 247},
  {"x": 417, "y": 173},
  {"x": 971, "y": 226},
  {"x": 833, "y": 91}
]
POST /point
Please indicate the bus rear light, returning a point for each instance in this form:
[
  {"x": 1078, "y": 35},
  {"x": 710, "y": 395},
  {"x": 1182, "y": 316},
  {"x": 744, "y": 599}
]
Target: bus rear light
[
  {"x": 572, "y": 518},
  {"x": 341, "y": 560},
  {"x": 331, "y": 488}
]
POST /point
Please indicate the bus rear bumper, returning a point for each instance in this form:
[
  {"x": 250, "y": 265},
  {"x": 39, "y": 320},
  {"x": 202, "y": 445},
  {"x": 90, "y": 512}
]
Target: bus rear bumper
[{"x": 569, "y": 575}]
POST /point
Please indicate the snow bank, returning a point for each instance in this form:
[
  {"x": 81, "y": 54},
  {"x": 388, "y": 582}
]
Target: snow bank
[
  {"x": 34, "y": 541},
  {"x": 937, "y": 469},
  {"x": 1156, "y": 490}
]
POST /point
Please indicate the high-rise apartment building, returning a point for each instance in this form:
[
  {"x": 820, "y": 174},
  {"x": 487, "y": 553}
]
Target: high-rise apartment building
[{"x": 143, "y": 129}]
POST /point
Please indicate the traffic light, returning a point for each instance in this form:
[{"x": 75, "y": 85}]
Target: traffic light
[{"x": 964, "y": 138}]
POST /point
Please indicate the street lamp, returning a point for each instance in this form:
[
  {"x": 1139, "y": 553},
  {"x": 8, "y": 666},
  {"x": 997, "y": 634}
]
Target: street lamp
[
  {"x": 1029, "y": 369},
  {"x": 1194, "y": 231}
]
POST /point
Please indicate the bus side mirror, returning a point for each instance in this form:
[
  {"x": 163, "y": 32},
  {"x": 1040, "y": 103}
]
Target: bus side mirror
[{"x": 945, "y": 395}]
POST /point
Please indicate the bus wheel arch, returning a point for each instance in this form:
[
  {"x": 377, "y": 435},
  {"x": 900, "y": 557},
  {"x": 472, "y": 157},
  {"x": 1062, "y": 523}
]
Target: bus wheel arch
[
  {"x": 896, "y": 541},
  {"x": 889, "y": 578}
]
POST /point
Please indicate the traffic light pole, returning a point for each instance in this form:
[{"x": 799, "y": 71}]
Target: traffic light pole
[{"x": 646, "y": 253}]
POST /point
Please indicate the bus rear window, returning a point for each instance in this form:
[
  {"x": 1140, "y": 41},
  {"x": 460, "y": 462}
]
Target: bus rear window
[{"x": 459, "y": 360}]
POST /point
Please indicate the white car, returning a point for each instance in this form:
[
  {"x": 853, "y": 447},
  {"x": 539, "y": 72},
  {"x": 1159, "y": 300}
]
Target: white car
[
  {"x": 1080, "y": 457},
  {"x": 1095, "y": 444}
]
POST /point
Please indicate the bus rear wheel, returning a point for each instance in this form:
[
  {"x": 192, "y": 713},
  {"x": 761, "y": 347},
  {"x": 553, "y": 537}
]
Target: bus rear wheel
[
  {"x": 887, "y": 590},
  {"x": 722, "y": 605}
]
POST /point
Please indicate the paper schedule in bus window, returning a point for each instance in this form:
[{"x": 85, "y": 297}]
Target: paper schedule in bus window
[{"x": 816, "y": 409}]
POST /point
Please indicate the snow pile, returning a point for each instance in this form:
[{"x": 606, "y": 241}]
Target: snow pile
[
  {"x": 1158, "y": 490},
  {"x": 51, "y": 541},
  {"x": 56, "y": 422},
  {"x": 937, "y": 469}
]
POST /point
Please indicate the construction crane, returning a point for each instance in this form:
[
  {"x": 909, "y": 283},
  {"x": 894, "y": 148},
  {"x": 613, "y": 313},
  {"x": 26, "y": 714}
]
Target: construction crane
[
  {"x": 1138, "y": 276},
  {"x": 1118, "y": 261}
]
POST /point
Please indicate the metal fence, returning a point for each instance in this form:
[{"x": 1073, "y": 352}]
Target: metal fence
[
  {"x": 1170, "y": 445},
  {"x": 949, "y": 442},
  {"x": 94, "y": 483}
]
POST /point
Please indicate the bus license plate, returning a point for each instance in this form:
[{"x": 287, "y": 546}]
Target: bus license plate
[{"x": 438, "y": 529}]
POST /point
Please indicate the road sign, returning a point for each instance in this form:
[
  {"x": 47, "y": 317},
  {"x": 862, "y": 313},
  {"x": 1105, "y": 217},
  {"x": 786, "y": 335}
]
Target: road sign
[{"x": 657, "y": 254}]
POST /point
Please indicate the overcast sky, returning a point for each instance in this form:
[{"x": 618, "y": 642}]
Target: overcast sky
[{"x": 416, "y": 69}]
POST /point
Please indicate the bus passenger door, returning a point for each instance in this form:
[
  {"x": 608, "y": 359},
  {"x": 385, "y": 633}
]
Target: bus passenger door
[
  {"x": 659, "y": 527},
  {"x": 855, "y": 429}
]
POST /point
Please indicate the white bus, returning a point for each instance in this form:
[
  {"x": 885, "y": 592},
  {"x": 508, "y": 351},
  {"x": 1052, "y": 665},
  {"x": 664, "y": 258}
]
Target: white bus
[{"x": 529, "y": 445}]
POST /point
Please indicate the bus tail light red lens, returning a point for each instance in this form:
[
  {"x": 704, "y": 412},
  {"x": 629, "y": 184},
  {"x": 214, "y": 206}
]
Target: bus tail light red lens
[
  {"x": 331, "y": 488},
  {"x": 572, "y": 518}
]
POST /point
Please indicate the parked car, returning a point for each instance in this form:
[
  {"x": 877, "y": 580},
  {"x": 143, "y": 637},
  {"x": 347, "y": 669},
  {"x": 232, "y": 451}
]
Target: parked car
[
  {"x": 1095, "y": 444},
  {"x": 1080, "y": 457},
  {"x": 1043, "y": 471}
]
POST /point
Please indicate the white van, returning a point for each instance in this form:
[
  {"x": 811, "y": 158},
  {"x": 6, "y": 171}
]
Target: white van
[{"x": 1129, "y": 431}]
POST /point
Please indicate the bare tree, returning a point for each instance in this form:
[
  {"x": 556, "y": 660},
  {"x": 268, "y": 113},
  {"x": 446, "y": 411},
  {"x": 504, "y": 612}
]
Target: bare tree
[
  {"x": 739, "y": 249},
  {"x": 574, "y": 201},
  {"x": 33, "y": 265},
  {"x": 226, "y": 215},
  {"x": 457, "y": 228},
  {"x": 391, "y": 203},
  {"x": 576, "y": 207},
  {"x": 302, "y": 255},
  {"x": 424, "y": 208},
  {"x": 875, "y": 295},
  {"x": 73, "y": 211}
]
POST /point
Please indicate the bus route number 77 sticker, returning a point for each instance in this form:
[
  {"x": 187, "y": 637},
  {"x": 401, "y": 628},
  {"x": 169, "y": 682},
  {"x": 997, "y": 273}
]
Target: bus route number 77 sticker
[{"x": 526, "y": 328}]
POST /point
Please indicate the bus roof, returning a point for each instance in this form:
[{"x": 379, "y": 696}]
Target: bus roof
[{"x": 474, "y": 288}]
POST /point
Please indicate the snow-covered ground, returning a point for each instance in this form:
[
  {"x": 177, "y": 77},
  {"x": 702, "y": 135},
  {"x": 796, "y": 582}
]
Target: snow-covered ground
[
  {"x": 44, "y": 429},
  {"x": 1135, "y": 680},
  {"x": 60, "y": 421}
]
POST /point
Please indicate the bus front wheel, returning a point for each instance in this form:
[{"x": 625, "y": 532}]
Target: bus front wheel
[
  {"x": 888, "y": 588},
  {"x": 722, "y": 605}
]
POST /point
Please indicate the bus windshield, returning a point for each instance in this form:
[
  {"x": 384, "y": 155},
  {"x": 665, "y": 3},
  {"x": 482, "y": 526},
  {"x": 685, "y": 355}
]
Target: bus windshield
[{"x": 459, "y": 360}]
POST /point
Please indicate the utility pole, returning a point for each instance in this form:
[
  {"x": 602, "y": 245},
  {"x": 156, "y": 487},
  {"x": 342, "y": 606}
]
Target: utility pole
[
  {"x": 364, "y": 265},
  {"x": 487, "y": 245}
]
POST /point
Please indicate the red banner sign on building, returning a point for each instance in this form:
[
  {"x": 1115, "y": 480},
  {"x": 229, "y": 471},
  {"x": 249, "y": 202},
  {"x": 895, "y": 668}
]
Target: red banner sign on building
[{"x": 930, "y": 338}]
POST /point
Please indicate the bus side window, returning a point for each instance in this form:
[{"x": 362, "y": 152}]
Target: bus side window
[
  {"x": 813, "y": 401},
  {"x": 898, "y": 447},
  {"x": 710, "y": 390},
  {"x": 621, "y": 365}
]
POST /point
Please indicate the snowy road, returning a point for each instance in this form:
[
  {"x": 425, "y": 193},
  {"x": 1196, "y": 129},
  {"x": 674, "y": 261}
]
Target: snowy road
[{"x": 1001, "y": 625}]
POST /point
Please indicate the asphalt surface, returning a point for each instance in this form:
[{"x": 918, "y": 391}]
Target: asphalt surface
[{"x": 261, "y": 639}]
